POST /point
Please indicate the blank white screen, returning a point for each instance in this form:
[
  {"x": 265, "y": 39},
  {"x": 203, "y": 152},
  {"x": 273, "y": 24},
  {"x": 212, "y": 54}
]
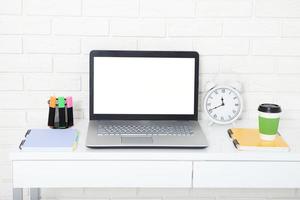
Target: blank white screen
[{"x": 135, "y": 85}]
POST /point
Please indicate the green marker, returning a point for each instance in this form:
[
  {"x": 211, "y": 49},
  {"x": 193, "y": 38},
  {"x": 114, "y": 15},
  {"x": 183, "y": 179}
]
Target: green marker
[{"x": 61, "y": 112}]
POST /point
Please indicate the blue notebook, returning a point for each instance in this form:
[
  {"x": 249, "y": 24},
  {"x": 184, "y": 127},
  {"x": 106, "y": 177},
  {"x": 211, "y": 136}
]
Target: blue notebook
[{"x": 50, "y": 140}]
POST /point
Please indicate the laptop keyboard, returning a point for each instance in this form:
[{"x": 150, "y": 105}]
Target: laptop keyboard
[{"x": 144, "y": 130}]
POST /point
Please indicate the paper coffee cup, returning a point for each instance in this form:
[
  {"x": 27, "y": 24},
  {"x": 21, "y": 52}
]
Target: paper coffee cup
[{"x": 268, "y": 119}]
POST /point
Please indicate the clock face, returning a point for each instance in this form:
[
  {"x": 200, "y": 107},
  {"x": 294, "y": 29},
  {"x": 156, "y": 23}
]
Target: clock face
[{"x": 223, "y": 104}]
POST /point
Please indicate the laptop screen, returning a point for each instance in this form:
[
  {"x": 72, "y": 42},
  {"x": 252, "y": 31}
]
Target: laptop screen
[{"x": 143, "y": 85}]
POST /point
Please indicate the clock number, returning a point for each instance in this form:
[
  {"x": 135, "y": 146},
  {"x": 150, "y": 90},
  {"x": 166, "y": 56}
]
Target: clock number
[
  {"x": 215, "y": 116},
  {"x": 208, "y": 104},
  {"x": 229, "y": 117},
  {"x": 216, "y": 92},
  {"x": 236, "y": 104},
  {"x": 234, "y": 111},
  {"x": 209, "y": 111},
  {"x": 223, "y": 90},
  {"x": 234, "y": 97},
  {"x": 222, "y": 118}
]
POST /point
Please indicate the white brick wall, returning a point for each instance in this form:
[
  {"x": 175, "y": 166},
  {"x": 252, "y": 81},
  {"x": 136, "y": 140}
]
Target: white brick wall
[
  {"x": 290, "y": 29},
  {"x": 167, "y": 8},
  {"x": 222, "y": 46},
  {"x": 220, "y": 8},
  {"x": 44, "y": 47},
  {"x": 277, "y": 8},
  {"x": 54, "y": 45},
  {"x": 137, "y": 27},
  {"x": 109, "y": 43},
  {"x": 52, "y": 7},
  {"x": 43, "y": 82},
  {"x": 16, "y": 25},
  {"x": 276, "y": 47},
  {"x": 9, "y": 82},
  {"x": 80, "y": 26},
  {"x": 10, "y": 44},
  {"x": 165, "y": 44},
  {"x": 25, "y": 63},
  {"x": 190, "y": 28},
  {"x": 11, "y": 7},
  {"x": 107, "y": 8},
  {"x": 251, "y": 28}
]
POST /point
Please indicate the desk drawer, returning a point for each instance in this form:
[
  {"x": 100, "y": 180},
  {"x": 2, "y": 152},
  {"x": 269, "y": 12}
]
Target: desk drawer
[
  {"x": 102, "y": 174},
  {"x": 242, "y": 174}
]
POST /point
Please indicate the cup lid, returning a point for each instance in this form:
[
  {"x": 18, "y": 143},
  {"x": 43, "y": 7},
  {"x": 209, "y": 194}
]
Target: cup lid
[{"x": 269, "y": 108}]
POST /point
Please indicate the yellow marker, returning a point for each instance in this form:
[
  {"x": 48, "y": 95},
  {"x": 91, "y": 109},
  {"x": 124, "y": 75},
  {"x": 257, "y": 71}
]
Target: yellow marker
[
  {"x": 52, "y": 105},
  {"x": 52, "y": 102}
]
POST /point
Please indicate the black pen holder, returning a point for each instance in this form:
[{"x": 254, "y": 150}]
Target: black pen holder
[{"x": 60, "y": 112}]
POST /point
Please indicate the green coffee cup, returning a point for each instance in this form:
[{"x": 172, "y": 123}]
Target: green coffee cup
[{"x": 268, "y": 120}]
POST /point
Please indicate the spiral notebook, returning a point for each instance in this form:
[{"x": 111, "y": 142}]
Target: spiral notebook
[
  {"x": 247, "y": 139},
  {"x": 50, "y": 140}
]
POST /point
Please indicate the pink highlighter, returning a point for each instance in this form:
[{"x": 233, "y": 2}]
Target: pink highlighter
[{"x": 70, "y": 111}]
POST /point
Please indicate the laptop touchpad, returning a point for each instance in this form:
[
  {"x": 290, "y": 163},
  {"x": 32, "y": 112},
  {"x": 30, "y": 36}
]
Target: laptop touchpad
[{"x": 137, "y": 140}]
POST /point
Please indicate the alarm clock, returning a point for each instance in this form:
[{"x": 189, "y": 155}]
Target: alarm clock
[{"x": 223, "y": 104}]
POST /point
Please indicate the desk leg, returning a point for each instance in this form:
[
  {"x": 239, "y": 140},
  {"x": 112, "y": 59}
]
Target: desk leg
[
  {"x": 35, "y": 194},
  {"x": 17, "y": 193}
]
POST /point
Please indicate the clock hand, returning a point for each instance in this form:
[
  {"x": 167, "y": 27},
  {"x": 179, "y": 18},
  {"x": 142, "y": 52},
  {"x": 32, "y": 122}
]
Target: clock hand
[
  {"x": 222, "y": 101},
  {"x": 222, "y": 104},
  {"x": 216, "y": 107}
]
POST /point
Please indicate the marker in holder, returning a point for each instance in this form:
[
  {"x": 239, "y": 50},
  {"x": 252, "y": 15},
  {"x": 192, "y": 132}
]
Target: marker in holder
[
  {"x": 52, "y": 106},
  {"x": 70, "y": 111},
  {"x": 60, "y": 112}
]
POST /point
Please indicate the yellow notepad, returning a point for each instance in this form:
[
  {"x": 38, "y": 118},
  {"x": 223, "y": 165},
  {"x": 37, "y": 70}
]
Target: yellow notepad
[{"x": 248, "y": 139}]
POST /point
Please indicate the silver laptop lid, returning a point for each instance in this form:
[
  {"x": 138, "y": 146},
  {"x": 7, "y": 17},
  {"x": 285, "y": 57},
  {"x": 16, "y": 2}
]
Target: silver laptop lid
[{"x": 143, "y": 85}]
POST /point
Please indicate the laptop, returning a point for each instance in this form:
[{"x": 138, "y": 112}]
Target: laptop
[{"x": 144, "y": 99}]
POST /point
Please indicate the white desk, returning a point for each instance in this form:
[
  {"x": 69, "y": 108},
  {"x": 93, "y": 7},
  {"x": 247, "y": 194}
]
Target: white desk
[{"x": 218, "y": 166}]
